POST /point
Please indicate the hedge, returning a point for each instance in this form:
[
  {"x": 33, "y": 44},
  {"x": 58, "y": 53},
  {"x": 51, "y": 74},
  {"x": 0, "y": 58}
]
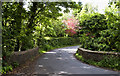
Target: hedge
[{"x": 48, "y": 43}]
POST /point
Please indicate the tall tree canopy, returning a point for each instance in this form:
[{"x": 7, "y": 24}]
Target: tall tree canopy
[{"x": 19, "y": 24}]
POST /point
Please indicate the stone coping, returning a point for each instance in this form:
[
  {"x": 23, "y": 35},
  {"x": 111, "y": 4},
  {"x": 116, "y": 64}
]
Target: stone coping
[
  {"x": 24, "y": 52},
  {"x": 100, "y": 52},
  {"x": 96, "y": 55}
]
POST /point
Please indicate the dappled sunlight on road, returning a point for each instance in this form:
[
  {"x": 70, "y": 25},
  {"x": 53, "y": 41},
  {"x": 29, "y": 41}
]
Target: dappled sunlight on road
[
  {"x": 50, "y": 52},
  {"x": 63, "y": 72},
  {"x": 45, "y": 58},
  {"x": 62, "y": 61},
  {"x": 69, "y": 49}
]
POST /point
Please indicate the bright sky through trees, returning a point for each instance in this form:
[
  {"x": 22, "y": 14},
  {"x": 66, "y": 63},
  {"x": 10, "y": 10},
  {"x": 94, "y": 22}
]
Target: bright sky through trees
[{"x": 100, "y": 3}]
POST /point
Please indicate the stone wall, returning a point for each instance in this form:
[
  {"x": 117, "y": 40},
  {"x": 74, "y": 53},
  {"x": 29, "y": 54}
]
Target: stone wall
[
  {"x": 23, "y": 56},
  {"x": 96, "y": 55}
]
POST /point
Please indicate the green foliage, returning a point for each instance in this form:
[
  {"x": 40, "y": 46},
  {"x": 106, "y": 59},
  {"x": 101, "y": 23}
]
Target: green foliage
[
  {"x": 49, "y": 43},
  {"x": 95, "y": 22},
  {"x": 100, "y": 32},
  {"x": 24, "y": 29},
  {"x": 93, "y": 32},
  {"x": 85, "y": 12},
  {"x": 114, "y": 2},
  {"x": 55, "y": 29},
  {"x": 19, "y": 24},
  {"x": 6, "y": 68}
]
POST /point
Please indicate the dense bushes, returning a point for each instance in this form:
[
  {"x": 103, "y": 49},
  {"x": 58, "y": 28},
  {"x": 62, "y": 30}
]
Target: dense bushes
[
  {"x": 91, "y": 37},
  {"x": 100, "y": 32}
]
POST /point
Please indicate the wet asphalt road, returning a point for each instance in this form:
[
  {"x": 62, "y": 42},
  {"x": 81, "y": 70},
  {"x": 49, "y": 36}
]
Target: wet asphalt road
[{"x": 62, "y": 61}]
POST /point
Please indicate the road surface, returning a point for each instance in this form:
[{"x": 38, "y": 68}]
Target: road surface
[{"x": 62, "y": 61}]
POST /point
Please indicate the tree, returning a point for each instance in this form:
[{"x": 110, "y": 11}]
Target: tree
[
  {"x": 115, "y": 4},
  {"x": 20, "y": 24},
  {"x": 70, "y": 24}
]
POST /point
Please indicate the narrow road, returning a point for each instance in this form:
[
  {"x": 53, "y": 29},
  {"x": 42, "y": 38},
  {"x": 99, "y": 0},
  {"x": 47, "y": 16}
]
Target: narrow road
[{"x": 62, "y": 61}]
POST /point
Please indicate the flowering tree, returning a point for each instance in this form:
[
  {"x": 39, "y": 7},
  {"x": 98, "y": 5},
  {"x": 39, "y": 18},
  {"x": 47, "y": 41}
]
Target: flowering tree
[{"x": 70, "y": 25}]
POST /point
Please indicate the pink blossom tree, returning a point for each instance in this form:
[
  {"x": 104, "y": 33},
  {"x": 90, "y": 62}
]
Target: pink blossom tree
[{"x": 70, "y": 25}]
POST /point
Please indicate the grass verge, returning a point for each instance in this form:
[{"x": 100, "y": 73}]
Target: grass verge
[{"x": 111, "y": 63}]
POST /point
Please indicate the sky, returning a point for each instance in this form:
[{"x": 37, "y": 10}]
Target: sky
[{"x": 100, "y": 3}]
